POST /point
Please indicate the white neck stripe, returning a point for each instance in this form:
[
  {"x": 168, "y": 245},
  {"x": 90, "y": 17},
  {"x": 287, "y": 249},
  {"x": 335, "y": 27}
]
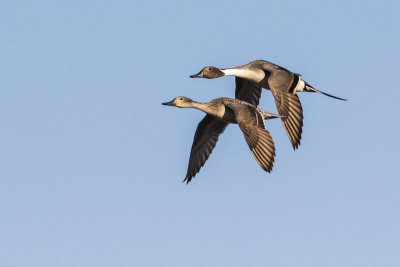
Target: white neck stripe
[{"x": 245, "y": 73}]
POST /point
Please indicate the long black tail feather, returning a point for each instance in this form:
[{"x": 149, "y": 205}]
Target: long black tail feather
[{"x": 309, "y": 88}]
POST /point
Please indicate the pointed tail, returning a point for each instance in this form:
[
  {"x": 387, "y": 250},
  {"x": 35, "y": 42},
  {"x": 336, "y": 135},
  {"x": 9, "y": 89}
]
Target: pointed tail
[
  {"x": 267, "y": 115},
  {"x": 309, "y": 88}
]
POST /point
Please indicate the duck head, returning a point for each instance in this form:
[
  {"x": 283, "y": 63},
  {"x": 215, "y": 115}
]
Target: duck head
[
  {"x": 180, "y": 102},
  {"x": 208, "y": 72}
]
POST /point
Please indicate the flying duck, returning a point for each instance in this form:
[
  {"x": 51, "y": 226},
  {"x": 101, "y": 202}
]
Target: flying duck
[
  {"x": 221, "y": 112},
  {"x": 284, "y": 84}
]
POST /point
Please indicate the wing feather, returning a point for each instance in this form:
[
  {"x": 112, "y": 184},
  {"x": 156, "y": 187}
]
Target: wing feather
[
  {"x": 259, "y": 140},
  {"x": 289, "y": 107},
  {"x": 248, "y": 91},
  {"x": 205, "y": 139}
]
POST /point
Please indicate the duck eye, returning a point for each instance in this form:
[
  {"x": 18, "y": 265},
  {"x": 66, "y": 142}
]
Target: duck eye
[
  {"x": 209, "y": 68},
  {"x": 181, "y": 98}
]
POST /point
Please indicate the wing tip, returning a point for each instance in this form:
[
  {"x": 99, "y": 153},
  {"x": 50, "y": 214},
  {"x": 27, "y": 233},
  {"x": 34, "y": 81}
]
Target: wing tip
[
  {"x": 187, "y": 179},
  {"x": 269, "y": 168},
  {"x": 296, "y": 145}
]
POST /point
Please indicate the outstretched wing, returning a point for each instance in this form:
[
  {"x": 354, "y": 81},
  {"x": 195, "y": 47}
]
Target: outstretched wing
[
  {"x": 260, "y": 142},
  {"x": 248, "y": 91},
  {"x": 289, "y": 107},
  {"x": 205, "y": 139}
]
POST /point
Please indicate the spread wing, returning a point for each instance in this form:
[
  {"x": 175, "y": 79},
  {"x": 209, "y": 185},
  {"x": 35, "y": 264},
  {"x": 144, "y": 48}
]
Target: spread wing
[
  {"x": 283, "y": 85},
  {"x": 289, "y": 106},
  {"x": 205, "y": 139},
  {"x": 260, "y": 142},
  {"x": 248, "y": 91}
]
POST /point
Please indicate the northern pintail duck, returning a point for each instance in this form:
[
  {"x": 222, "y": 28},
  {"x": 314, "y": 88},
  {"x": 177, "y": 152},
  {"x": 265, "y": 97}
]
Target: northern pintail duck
[
  {"x": 284, "y": 84},
  {"x": 221, "y": 112}
]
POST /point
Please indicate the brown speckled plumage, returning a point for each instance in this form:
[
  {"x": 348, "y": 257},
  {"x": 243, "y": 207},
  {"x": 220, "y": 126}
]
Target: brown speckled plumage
[{"x": 221, "y": 112}]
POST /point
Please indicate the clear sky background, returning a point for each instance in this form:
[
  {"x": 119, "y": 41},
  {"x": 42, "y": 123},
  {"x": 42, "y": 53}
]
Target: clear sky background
[{"x": 91, "y": 163}]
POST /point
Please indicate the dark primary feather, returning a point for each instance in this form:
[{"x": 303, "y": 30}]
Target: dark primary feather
[
  {"x": 205, "y": 139},
  {"x": 260, "y": 142},
  {"x": 289, "y": 106},
  {"x": 248, "y": 91}
]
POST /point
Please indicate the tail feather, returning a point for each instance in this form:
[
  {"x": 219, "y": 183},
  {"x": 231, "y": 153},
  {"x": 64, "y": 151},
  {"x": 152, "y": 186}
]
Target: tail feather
[
  {"x": 309, "y": 88},
  {"x": 267, "y": 115}
]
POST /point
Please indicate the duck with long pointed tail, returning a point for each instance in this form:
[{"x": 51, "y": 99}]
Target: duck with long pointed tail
[
  {"x": 284, "y": 84},
  {"x": 221, "y": 112}
]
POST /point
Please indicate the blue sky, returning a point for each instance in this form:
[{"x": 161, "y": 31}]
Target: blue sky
[{"x": 91, "y": 163}]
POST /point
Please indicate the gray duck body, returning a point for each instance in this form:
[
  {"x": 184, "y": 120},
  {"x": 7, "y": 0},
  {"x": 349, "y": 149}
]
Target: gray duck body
[{"x": 284, "y": 84}]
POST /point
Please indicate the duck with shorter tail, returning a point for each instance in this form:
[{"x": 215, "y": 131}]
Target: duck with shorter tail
[{"x": 221, "y": 112}]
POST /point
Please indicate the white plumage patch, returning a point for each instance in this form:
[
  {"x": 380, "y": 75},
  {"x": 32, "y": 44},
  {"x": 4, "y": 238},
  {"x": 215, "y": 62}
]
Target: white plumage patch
[
  {"x": 253, "y": 75},
  {"x": 301, "y": 85}
]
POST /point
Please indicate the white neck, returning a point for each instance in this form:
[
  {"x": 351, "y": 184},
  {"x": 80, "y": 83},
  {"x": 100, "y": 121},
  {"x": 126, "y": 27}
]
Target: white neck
[{"x": 253, "y": 75}]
